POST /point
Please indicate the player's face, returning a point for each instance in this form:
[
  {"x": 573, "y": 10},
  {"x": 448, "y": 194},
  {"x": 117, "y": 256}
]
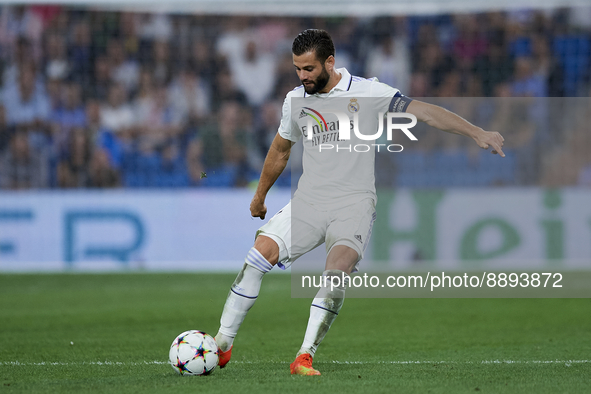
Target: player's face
[{"x": 311, "y": 72}]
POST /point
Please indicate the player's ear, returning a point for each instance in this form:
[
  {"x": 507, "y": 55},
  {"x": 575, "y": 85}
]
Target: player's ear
[{"x": 329, "y": 63}]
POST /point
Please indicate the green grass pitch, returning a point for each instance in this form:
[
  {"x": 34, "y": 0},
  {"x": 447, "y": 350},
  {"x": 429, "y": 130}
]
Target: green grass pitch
[{"x": 111, "y": 333}]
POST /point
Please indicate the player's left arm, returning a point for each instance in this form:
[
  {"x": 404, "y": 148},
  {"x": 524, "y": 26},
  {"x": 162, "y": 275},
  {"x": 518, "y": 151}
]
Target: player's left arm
[{"x": 445, "y": 120}]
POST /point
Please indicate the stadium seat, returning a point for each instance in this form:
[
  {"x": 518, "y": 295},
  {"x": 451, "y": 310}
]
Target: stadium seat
[
  {"x": 573, "y": 53},
  {"x": 221, "y": 177}
]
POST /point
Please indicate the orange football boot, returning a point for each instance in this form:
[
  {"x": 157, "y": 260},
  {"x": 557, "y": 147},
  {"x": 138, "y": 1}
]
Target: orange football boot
[
  {"x": 224, "y": 357},
  {"x": 303, "y": 366}
]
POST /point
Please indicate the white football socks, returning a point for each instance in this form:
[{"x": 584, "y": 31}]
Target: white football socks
[
  {"x": 242, "y": 296},
  {"x": 324, "y": 310}
]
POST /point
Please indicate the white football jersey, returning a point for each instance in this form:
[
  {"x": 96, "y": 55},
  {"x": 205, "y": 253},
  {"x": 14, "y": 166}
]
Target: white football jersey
[{"x": 338, "y": 172}]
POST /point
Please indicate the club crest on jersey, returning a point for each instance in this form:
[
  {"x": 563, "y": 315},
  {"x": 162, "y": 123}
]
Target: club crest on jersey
[{"x": 353, "y": 106}]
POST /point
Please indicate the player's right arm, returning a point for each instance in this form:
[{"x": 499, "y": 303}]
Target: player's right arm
[
  {"x": 275, "y": 163},
  {"x": 445, "y": 120}
]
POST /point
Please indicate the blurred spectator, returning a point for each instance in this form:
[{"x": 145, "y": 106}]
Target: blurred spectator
[
  {"x": 426, "y": 34},
  {"x": 161, "y": 62},
  {"x": 570, "y": 164},
  {"x": 19, "y": 21},
  {"x": 157, "y": 122},
  {"x": 224, "y": 90},
  {"x": 184, "y": 34},
  {"x": 419, "y": 85},
  {"x": 56, "y": 64},
  {"x": 103, "y": 26},
  {"x": 267, "y": 130},
  {"x": 124, "y": 70},
  {"x": 155, "y": 27},
  {"x": 470, "y": 43},
  {"x": 435, "y": 64},
  {"x": 27, "y": 106},
  {"x": 496, "y": 66},
  {"x": 225, "y": 146},
  {"x": 5, "y": 131},
  {"x": 547, "y": 66},
  {"x": 513, "y": 116},
  {"x": 67, "y": 116},
  {"x": 202, "y": 59},
  {"x": 286, "y": 79},
  {"x": 189, "y": 97},
  {"x": 194, "y": 159},
  {"x": 81, "y": 52},
  {"x": 450, "y": 86},
  {"x": 54, "y": 89},
  {"x": 73, "y": 167},
  {"x": 102, "y": 137},
  {"x": 117, "y": 115},
  {"x": 163, "y": 167},
  {"x": 56, "y": 20},
  {"x": 101, "y": 78},
  {"x": 273, "y": 34},
  {"x": 389, "y": 61},
  {"x": 15, "y": 60},
  {"x": 146, "y": 87},
  {"x": 128, "y": 27},
  {"x": 72, "y": 113},
  {"x": 253, "y": 73},
  {"x": 172, "y": 171},
  {"x": 526, "y": 81},
  {"x": 101, "y": 173},
  {"x": 261, "y": 140},
  {"x": 345, "y": 45},
  {"x": 23, "y": 166},
  {"x": 232, "y": 39},
  {"x": 473, "y": 86}
]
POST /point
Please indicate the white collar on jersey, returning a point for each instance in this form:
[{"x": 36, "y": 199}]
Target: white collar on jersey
[{"x": 344, "y": 84}]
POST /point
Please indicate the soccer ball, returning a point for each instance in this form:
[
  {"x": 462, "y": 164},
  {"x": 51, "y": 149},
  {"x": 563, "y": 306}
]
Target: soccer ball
[{"x": 193, "y": 353}]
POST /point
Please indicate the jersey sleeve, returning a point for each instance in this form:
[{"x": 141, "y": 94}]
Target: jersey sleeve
[
  {"x": 399, "y": 102},
  {"x": 287, "y": 128}
]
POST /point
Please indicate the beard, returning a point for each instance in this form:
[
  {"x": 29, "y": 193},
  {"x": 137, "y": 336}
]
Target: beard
[{"x": 319, "y": 83}]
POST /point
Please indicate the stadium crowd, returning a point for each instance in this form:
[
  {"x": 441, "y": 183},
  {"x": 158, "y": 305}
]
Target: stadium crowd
[{"x": 96, "y": 99}]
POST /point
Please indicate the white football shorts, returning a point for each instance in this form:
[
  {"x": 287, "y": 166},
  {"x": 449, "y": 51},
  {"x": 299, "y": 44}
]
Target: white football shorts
[{"x": 299, "y": 227}]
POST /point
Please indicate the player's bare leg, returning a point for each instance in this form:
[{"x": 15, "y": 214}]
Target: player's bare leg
[
  {"x": 325, "y": 307},
  {"x": 244, "y": 292}
]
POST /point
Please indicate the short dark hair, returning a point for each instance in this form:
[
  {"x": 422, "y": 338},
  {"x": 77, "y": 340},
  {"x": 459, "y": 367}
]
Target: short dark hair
[{"x": 315, "y": 40}]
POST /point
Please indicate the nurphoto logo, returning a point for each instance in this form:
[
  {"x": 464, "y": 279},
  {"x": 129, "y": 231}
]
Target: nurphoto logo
[{"x": 317, "y": 124}]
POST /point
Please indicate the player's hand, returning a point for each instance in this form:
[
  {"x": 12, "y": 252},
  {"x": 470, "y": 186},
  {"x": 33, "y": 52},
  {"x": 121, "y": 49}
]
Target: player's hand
[
  {"x": 491, "y": 139},
  {"x": 258, "y": 209}
]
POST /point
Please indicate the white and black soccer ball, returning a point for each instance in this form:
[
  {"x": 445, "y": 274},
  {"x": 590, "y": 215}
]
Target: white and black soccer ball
[{"x": 193, "y": 353}]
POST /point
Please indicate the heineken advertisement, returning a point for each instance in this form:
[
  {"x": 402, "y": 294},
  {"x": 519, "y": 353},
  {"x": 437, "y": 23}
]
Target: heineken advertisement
[
  {"x": 474, "y": 228},
  {"x": 455, "y": 229}
]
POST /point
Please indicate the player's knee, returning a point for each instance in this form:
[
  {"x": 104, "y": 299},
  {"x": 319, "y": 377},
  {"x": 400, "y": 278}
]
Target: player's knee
[
  {"x": 342, "y": 258},
  {"x": 268, "y": 248}
]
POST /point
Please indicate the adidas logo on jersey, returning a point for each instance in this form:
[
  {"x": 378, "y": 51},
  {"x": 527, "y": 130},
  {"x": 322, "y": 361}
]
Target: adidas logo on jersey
[
  {"x": 358, "y": 238},
  {"x": 303, "y": 114}
]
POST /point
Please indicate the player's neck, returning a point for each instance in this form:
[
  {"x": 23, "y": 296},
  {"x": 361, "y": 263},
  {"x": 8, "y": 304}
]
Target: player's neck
[{"x": 335, "y": 78}]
